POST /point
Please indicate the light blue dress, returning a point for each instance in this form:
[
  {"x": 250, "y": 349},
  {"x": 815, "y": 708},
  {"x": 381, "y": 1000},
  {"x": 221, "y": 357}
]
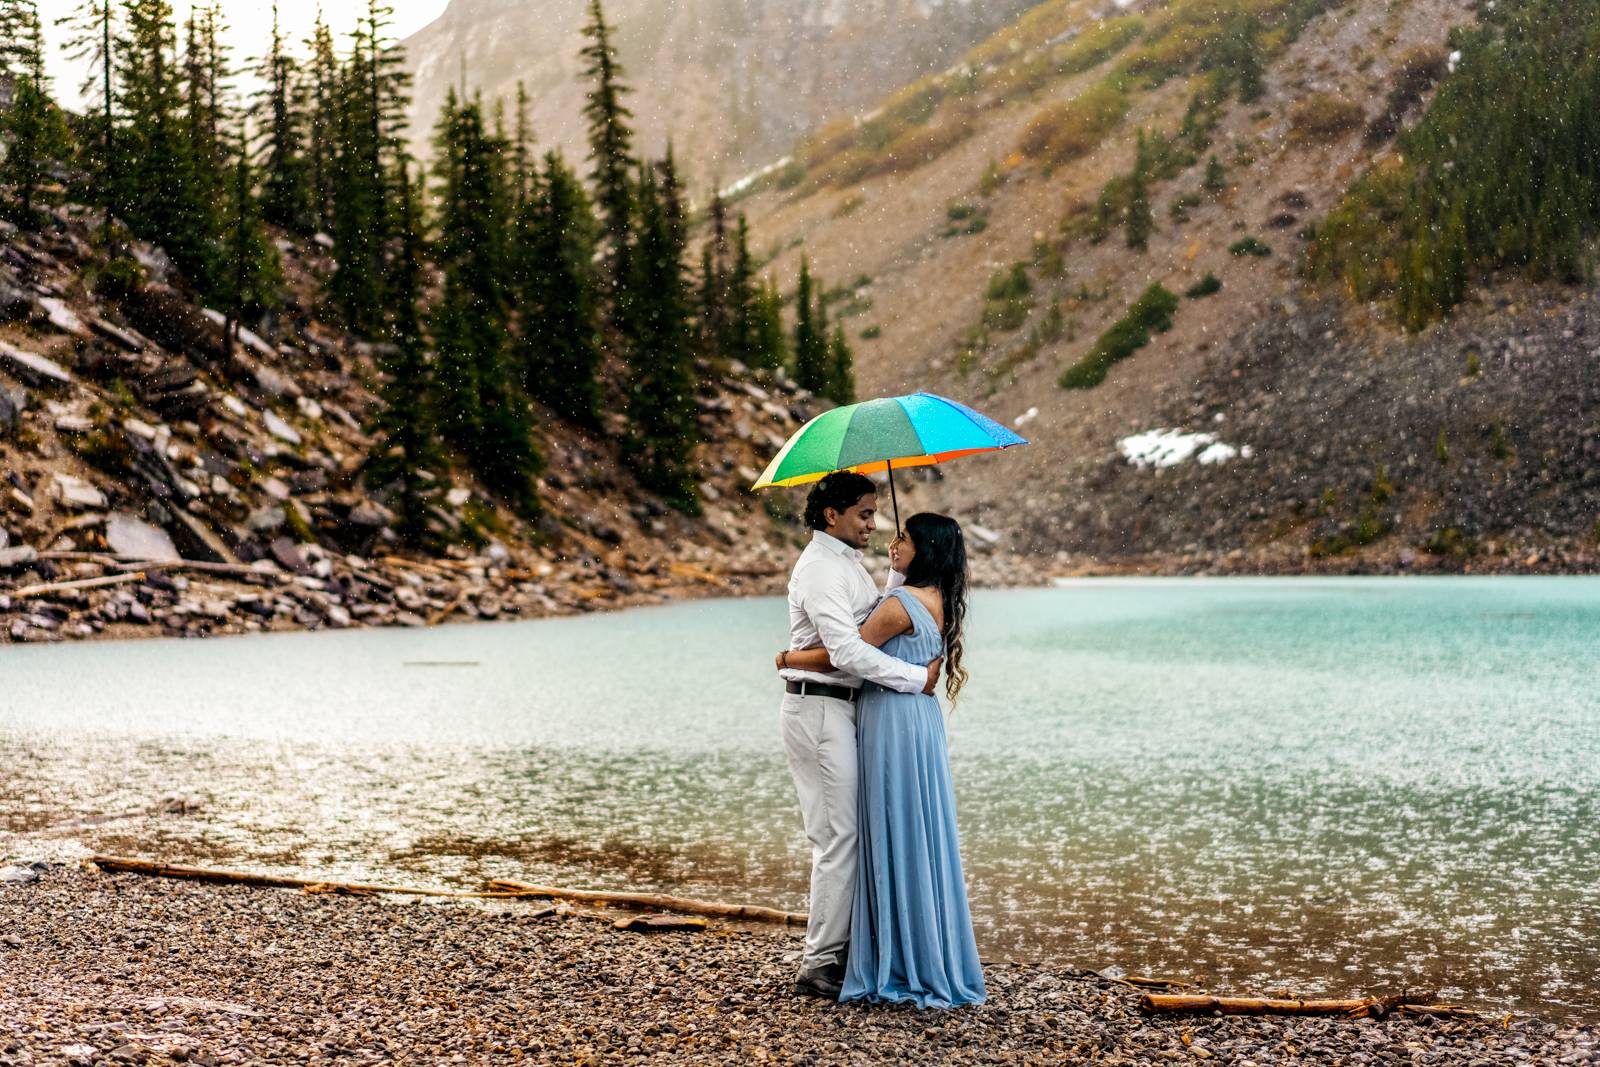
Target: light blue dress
[{"x": 910, "y": 931}]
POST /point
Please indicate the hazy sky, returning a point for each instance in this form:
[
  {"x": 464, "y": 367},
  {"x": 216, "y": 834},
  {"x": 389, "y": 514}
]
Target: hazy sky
[{"x": 249, "y": 28}]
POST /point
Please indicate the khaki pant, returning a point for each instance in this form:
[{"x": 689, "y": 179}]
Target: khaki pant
[{"x": 819, "y": 735}]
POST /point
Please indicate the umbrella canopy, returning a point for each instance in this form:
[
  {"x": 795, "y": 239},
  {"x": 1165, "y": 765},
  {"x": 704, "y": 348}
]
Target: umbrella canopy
[{"x": 885, "y": 435}]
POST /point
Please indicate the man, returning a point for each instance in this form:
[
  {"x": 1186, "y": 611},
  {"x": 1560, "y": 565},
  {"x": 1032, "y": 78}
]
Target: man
[{"x": 830, "y": 596}]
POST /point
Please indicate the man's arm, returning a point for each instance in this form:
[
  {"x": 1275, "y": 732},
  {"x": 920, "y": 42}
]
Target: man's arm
[{"x": 829, "y": 608}]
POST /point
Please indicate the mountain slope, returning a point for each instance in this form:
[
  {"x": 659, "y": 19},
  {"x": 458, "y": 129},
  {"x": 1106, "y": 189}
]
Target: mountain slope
[
  {"x": 128, "y": 435},
  {"x": 732, "y": 80},
  {"x": 928, "y": 240}
]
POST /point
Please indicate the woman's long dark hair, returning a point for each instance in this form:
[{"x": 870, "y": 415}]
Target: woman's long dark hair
[{"x": 941, "y": 562}]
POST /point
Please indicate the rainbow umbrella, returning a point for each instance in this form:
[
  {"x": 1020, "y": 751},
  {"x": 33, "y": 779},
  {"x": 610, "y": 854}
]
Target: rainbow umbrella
[{"x": 885, "y": 435}]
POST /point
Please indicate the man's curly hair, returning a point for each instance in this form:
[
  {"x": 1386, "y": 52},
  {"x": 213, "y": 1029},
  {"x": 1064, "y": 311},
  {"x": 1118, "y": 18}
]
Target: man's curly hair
[{"x": 839, "y": 491}]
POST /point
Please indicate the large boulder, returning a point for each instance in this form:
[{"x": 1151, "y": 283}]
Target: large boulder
[
  {"x": 162, "y": 314},
  {"x": 137, "y": 539}
]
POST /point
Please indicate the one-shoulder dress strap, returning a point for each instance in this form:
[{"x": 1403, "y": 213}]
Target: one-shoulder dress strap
[{"x": 912, "y": 601}]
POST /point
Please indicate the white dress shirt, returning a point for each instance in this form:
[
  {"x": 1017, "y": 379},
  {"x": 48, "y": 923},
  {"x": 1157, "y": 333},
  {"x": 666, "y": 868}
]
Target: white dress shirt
[{"x": 830, "y": 596}]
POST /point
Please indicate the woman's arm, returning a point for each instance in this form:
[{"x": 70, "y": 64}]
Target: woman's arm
[{"x": 890, "y": 618}]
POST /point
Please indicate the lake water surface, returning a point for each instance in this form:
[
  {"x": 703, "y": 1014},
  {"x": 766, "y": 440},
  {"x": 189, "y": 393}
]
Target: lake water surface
[{"x": 1326, "y": 785}]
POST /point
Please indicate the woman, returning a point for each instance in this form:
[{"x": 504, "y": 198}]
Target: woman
[{"x": 911, "y": 933}]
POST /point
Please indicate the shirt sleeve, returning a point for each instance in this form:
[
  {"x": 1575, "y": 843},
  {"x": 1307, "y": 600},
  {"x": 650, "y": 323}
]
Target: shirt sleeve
[{"x": 828, "y": 604}]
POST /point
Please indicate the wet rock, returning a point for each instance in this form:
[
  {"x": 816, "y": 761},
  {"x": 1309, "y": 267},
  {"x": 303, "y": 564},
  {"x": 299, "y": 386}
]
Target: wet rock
[
  {"x": 164, "y": 315},
  {"x": 266, "y": 520},
  {"x": 10, "y": 408},
  {"x": 196, "y": 540},
  {"x": 288, "y": 556},
  {"x": 62, "y": 317},
  {"x": 280, "y": 429},
  {"x": 32, "y": 368},
  {"x": 17, "y": 304},
  {"x": 128, "y": 536},
  {"x": 371, "y": 514},
  {"x": 77, "y": 494}
]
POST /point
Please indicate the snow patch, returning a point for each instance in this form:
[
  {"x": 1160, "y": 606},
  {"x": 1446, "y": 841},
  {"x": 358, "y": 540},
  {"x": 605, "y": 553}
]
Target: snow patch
[
  {"x": 1026, "y": 417},
  {"x": 1168, "y": 448}
]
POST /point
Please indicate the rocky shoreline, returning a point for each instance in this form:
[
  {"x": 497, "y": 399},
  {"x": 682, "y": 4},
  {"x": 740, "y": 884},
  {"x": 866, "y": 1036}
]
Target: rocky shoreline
[
  {"x": 99, "y": 968},
  {"x": 86, "y": 595}
]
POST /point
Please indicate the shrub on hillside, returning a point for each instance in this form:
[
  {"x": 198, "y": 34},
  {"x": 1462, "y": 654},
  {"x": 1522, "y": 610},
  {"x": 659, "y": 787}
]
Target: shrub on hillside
[
  {"x": 1249, "y": 246},
  {"x": 1064, "y": 131},
  {"x": 1083, "y": 53},
  {"x": 1415, "y": 73},
  {"x": 1204, "y": 287},
  {"x": 1325, "y": 117},
  {"x": 1151, "y": 313}
]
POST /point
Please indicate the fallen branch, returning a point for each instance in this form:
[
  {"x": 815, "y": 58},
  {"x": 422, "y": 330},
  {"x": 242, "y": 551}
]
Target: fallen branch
[
  {"x": 316, "y": 885},
  {"x": 1369, "y": 1007},
  {"x": 49, "y": 588},
  {"x": 237, "y": 570},
  {"x": 655, "y": 902},
  {"x": 439, "y": 616},
  {"x": 1446, "y": 1011}
]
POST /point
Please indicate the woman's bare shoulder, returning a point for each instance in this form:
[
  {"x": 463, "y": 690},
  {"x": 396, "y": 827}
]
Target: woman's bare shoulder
[{"x": 930, "y": 598}]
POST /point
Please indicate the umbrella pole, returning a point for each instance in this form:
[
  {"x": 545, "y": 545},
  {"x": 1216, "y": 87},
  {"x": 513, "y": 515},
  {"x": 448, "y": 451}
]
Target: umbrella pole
[{"x": 894, "y": 498}]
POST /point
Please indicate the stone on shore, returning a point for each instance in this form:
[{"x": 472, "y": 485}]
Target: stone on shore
[
  {"x": 186, "y": 972},
  {"x": 128, "y": 536}
]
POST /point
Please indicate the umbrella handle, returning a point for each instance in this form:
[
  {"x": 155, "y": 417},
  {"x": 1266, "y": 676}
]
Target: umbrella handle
[{"x": 894, "y": 497}]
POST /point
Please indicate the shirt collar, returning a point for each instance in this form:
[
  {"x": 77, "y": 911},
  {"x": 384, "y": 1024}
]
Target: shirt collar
[{"x": 836, "y": 546}]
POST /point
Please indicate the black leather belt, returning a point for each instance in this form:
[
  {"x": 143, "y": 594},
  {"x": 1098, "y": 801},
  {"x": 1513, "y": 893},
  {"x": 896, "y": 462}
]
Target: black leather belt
[{"x": 823, "y": 689}]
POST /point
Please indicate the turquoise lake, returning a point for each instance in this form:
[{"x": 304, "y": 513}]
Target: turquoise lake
[{"x": 1331, "y": 786}]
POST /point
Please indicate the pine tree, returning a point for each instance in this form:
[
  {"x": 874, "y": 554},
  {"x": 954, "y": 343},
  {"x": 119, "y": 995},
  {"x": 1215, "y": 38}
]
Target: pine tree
[
  {"x": 205, "y": 74},
  {"x": 560, "y": 343},
  {"x": 841, "y": 370},
  {"x": 250, "y": 274},
  {"x": 286, "y": 199},
  {"x": 20, "y": 33},
  {"x": 1241, "y": 59},
  {"x": 717, "y": 317},
  {"x": 769, "y": 344},
  {"x": 525, "y": 169},
  {"x": 663, "y": 429},
  {"x": 741, "y": 307},
  {"x": 405, "y": 420},
  {"x": 90, "y": 30},
  {"x": 1140, "y": 218},
  {"x": 610, "y": 148},
  {"x": 480, "y": 408},
  {"x": 34, "y": 128},
  {"x": 810, "y": 343},
  {"x": 321, "y": 89},
  {"x": 370, "y": 110},
  {"x": 158, "y": 190}
]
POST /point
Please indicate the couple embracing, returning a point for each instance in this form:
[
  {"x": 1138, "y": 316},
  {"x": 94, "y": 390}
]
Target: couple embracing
[{"x": 866, "y": 744}]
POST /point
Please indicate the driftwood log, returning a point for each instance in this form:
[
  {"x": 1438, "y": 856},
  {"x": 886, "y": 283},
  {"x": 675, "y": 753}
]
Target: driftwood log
[
  {"x": 51, "y": 588},
  {"x": 1368, "y": 1007},
  {"x": 317, "y": 885},
  {"x": 654, "y": 902}
]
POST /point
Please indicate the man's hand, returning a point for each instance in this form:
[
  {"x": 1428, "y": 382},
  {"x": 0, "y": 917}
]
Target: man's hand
[
  {"x": 777, "y": 661},
  {"x": 933, "y": 676}
]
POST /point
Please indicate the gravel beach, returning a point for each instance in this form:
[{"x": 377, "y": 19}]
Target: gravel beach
[{"x": 98, "y": 968}]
